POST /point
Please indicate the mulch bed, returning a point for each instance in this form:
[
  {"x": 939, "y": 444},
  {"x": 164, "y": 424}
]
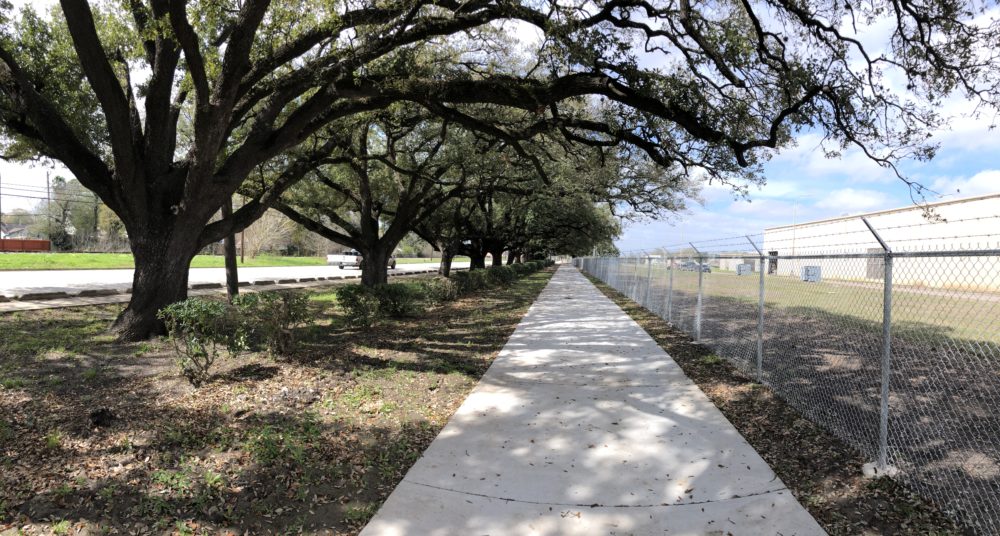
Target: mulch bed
[{"x": 98, "y": 437}]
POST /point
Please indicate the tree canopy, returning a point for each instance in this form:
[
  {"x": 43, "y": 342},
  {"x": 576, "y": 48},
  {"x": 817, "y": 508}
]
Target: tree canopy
[{"x": 165, "y": 108}]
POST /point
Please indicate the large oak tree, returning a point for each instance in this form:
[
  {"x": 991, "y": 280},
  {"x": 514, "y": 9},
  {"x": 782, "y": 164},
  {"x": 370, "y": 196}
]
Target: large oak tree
[
  {"x": 164, "y": 108},
  {"x": 395, "y": 170}
]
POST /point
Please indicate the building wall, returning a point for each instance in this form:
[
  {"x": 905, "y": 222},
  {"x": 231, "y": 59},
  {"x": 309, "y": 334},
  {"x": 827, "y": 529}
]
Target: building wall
[
  {"x": 730, "y": 264},
  {"x": 965, "y": 224}
]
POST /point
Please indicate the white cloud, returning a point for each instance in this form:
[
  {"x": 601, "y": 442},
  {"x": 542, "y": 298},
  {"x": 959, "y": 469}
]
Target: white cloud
[
  {"x": 984, "y": 182},
  {"x": 849, "y": 200},
  {"x": 780, "y": 188},
  {"x": 715, "y": 192},
  {"x": 762, "y": 208},
  {"x": 807, "y": 162}
]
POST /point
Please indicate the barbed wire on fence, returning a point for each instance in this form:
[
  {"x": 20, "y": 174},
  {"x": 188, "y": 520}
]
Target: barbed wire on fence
[{"x": 935, "y": 236}]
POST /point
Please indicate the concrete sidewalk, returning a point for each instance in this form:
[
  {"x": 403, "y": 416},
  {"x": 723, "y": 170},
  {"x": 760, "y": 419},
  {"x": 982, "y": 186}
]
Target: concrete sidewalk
[{"x": 583, "y": 425}]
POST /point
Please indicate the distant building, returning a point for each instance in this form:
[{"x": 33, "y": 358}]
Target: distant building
[
  {"x": 13, "y": 231},
  {"x": 958, "y": 224}
]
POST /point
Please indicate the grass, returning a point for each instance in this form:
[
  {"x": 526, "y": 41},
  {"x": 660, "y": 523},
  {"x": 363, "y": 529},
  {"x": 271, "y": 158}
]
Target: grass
[
  {"x": 106, "y": 261},
  {"x": 110, "y": 261},
  {"x": 419, "y": 260},
  {"x": 310, "y": 442},
  {"x": 962, "y": 315}
]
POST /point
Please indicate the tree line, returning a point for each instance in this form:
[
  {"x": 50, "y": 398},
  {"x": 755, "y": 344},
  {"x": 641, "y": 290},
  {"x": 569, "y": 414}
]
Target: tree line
[{"x": 363, "y": 121}]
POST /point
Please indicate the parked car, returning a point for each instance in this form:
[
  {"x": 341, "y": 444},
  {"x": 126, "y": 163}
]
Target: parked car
[
  {"x": 351, "y": 258},
  {"x": 691, "y": 266}
]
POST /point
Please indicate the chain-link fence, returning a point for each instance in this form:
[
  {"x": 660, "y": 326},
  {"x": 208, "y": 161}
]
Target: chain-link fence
[{"x": 898, "y": 354}]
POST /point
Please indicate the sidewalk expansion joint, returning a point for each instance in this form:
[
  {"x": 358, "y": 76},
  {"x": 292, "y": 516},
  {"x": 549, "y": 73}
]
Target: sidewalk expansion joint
[
  {"x": 782, "y": 489},
  {"x": 591, "y": 384}
]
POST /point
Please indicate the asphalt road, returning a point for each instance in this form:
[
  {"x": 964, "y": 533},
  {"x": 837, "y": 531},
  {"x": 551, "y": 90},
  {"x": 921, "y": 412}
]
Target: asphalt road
[{"x": 17, "y": 282}]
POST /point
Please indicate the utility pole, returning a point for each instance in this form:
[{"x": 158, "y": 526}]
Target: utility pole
[
  {"x": 94, "y": 230},
  {"x": 48, "y": 210}
]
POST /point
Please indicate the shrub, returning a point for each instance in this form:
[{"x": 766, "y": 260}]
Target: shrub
[
  {"x": 440, "y": 290},
  {"x": 470, "y": 281},
  {"x": 400, "y": 299},
  {"x": 367, "y": 305},
  {"x": 461, "y": 280},
  {"x": 501, "y": 275},
  {"x": 473, "y": 280},
  {"x": 522, "y": 269},
  {"x": 199, "y": 329},
  {"x": 360, "y": 304},
  {"x": 270, "y": 318}
]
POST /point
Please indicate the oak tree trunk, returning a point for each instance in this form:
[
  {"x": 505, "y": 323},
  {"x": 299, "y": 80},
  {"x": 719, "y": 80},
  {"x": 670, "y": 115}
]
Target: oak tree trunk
[
  {"x": 445, "y": 268},
  {"x": 229, "y": 249},
  {"x": 497, "y": 257},
  {"x": 374, "y": 269},
  {"x": 160, "y": 278},
  {"x": 448, "y": 251},
  {"x": 477, "y": 260}
]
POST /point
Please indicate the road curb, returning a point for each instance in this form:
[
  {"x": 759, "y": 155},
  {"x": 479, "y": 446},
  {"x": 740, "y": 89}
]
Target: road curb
[
  {"x": 98, "y": 292},
  {"x": 42, "y": 296}
]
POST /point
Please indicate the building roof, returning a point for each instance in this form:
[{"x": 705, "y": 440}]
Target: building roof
[
  {"x": 8, "y": 229},
  {"x": 889, "y": 211}
]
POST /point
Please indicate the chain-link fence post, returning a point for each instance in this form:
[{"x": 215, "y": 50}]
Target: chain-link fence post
[
  {"x": 637, "y": 294},
  {"x": 612, "y": 273},
  {"x": 670, "y": 290},
  {"x": 760, "y": 314},
  {"x": 633, "y": 272},
  {"x": 701, "y": 286},
  {"x": 649, "y": 280},
  {"x": 883, "y": 431},
  {"x": 882, "y": 466},
  {"x": 638, "y": 280}
]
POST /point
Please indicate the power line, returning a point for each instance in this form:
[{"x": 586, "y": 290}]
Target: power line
[{"x": 78, "y": 195}]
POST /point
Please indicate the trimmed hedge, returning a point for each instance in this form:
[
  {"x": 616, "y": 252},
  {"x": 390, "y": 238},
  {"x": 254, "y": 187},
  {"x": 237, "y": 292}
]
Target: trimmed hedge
[
  {"x": 368, "y": 305},
  {"x": 440, "y": 290}
]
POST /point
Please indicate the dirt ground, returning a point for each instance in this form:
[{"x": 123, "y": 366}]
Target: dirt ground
[{"x": 98, "y": 437}]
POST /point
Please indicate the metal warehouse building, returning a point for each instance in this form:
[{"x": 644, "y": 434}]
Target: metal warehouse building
[{"x": 966, "y": 224}]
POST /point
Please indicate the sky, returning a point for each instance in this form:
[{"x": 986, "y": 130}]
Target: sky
[{"x": 802, "y": 184}]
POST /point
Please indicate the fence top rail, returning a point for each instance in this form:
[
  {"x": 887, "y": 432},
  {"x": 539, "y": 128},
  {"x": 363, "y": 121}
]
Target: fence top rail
[{"x": 879, "y": 255}]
